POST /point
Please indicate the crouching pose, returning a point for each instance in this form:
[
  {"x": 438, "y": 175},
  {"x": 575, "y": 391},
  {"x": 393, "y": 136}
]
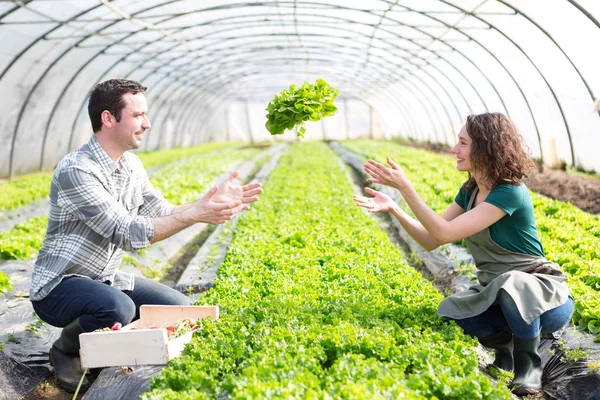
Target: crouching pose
[
  {"x": 521, "y": 294},
  {"x": 102, "y": 203}
]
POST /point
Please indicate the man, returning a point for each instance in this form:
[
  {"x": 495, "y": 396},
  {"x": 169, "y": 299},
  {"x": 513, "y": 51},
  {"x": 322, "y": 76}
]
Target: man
[{"x": 102, "y": 203}]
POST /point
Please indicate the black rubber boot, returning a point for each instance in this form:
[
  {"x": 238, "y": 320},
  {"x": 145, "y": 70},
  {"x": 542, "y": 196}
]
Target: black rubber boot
[
  {"x": 64, "y": 357},
  {"x": 528, "y": 366},
  {"x": 502, "y": 343}
]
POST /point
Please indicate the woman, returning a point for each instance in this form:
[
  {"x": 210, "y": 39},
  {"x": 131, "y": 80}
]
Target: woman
[{"x": 521, "y": 294}]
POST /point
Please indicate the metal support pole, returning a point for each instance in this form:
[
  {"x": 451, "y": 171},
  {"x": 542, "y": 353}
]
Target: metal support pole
[
  {"x": 227, "y": 130},
  {"x": 371, "y": 124},
  {"x": 249, "y": 126},
  {"x": 346, "y": 118}
]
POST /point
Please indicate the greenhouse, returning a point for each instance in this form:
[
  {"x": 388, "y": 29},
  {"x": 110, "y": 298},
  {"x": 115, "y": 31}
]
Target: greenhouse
[{"x": 296, "y": 199}]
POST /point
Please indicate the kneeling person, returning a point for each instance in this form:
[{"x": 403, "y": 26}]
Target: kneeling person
[{"x": 102, "y": 203}]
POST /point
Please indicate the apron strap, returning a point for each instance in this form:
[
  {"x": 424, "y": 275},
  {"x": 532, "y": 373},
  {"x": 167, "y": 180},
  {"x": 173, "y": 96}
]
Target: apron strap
[{"x": 472, "y": 199}]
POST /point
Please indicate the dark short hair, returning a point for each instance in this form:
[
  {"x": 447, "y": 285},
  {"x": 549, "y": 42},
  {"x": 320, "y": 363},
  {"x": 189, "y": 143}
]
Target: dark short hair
[
  {"x": 108, "y": 95},
  {"x": 497, "y": 150}
]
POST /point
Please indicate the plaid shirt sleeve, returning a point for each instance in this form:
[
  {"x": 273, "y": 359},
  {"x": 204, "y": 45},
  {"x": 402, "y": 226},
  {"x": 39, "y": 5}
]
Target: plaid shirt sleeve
[
  {"x": 85, "y": 196},
  {"x": 155, "y": 205}
]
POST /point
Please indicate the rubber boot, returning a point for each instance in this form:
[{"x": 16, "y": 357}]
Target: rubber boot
[
  {"x": 502, "y": 343},
  {"x": 528, "y": 366},
  {"x": 64, "y": 357}
]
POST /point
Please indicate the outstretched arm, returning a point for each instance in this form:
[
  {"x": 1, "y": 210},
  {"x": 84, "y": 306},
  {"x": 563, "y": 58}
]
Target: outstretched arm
[
  {"x": 454, "y": 226},
  {"x": 219, "y": 205},
  {"x": 228, "y": 191},
  {"x": 381, "y": 202}
]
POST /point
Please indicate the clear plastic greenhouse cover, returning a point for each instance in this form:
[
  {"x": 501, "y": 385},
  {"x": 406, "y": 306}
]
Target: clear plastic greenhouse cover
[{"x": 411, "y": 68}]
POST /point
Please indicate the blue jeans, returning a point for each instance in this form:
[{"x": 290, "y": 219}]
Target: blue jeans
[
  {"x": 99, "y": 305},
  {"x": 505, "y": 316}
]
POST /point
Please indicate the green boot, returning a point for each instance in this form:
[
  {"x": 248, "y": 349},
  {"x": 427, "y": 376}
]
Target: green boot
[
  {"x": 528, "y": 366},
  {"x": 502, "y": 343},
  {"x": 64, "y": 357}
]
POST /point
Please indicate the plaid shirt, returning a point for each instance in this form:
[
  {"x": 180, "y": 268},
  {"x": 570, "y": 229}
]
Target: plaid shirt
[{"x": 98, "y": 208}]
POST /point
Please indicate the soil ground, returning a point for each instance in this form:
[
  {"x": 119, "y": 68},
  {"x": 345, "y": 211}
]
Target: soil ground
[
  {"x": 581, "y": 191},
  {"x": 49, "y": 390}
]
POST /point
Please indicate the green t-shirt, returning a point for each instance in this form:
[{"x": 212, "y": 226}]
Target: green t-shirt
[{"x": 516, "y": 231}]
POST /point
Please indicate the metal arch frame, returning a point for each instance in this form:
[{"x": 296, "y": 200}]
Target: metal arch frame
[
  {"x": 466, "y": 102},
  {"x": 468, "y": 105},
  {"x": 391, "y": 100},
  {"x": 203, "y": 98},
  {"x": 497, "y": 60},
  {"x": 466, "y": 80},
  {"x": 375, "y": 96},
  {"x": 407, "y": 71},
  {"x": 245, "y": 73},
  {"x": 8, "y": 12},
  {"x": 432, "y": 52},
  {"x": 132, "y": 33},
  {"x": 475, "y": 92},
  {"x": 34, "y": 42},
  {"x": 585, "y": 12},
  {"x": 68, "y": 85},
  {"x": 573, "y": 158},
  {"x": 408, "y": 51},
  {"x": 207, "y": 96},
  {"x": 397, "y": 103},
  {"x": 16, "y": 58},
  {"x": 464, "y": 13},
  {"x": 372, "y": 37},
  {"x": 117, "y": 62},
  {"x": 518, "y": 11},
  {"x": 426, "y": 97},
  {"x": 464, "y": 99},
  {"x": 435, "y": 67},
  {"x": 41, "y": 77}
]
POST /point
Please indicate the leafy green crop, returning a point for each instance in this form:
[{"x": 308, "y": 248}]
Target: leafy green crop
[
  {"x": 316, "y": 303},
  {"x": 5, "y": 285},
  {"x": 186, "y": 181},
  {"x": 24, "y": 240},
  {"x": 293, "y": 106},
  {"x": 179, "y": 182},
  {"x": 163, "y": 157},
  {"x": 24, "y": 189},
  {"x": 570, "y": 236}
]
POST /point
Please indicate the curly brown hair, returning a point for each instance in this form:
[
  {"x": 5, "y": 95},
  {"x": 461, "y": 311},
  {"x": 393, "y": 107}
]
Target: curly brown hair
[{"x": 497, "y": 150}]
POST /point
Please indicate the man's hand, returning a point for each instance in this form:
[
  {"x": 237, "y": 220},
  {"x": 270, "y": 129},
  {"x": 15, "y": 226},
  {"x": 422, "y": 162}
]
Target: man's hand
[
  {"x": 379, "y": 203},
  {"x": 393, "y": 177},
  {"x": 223, "y": 202},
  {"x": 209, "y": 212},
  {"x": 228, "y": 191}
]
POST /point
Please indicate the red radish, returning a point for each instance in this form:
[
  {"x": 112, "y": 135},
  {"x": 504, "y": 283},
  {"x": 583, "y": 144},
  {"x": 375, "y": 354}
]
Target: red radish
[{"x": 117, "y": 326}]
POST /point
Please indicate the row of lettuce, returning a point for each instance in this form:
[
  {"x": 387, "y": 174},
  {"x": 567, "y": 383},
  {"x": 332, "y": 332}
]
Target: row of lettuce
[
  {"x": 570, "y": 237},
  {"x": 29, "y": 188},
  {"x": 180, "y": 182},
  {"x": 315, "y": 303}
]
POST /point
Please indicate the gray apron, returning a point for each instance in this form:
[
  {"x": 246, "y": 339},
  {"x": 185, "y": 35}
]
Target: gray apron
[{"x": 534, "y": 283}]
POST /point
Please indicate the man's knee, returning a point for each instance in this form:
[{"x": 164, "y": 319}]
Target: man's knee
[
  {"x": 176, "y": 298},
  {"x": 118, "y": 309}
]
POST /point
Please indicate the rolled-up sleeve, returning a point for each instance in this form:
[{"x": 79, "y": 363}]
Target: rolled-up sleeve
[{"x": 84, "y": 196}]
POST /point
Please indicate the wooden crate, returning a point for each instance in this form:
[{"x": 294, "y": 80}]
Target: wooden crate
[{"x": 141, "y": 346}]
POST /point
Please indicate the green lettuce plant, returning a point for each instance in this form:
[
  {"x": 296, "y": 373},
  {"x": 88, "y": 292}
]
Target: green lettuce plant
[{"x": 293, "y": 106}]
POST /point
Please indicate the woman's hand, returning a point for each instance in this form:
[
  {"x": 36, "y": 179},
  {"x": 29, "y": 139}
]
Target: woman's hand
[
  {"x": 380, "y": 202},
  {"x": 393, "y": 177}
]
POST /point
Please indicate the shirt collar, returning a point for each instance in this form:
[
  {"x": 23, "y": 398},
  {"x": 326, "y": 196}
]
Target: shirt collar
[{"x": 105, "y": 161}]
